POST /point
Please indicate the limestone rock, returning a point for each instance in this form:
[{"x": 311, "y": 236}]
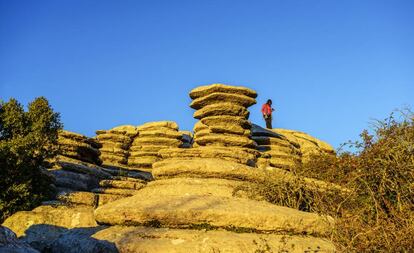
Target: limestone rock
[
  {"x": 123, "y": 184},
  {"x": 154, "y": 240},
  {"x": 105, "y": 198},
  {"x": 215, "y": 211},
  {"x": 75, "y": 181},
  {"x": 221, "y": 109},
  {"x": 61, "y": 216},
  {"x": 162, "y": 141},
  {"x": 202, "y": 91},
  {"x": 78, "y": 198},
  {"x": 163, "y": 132},
  {"x": 240, "y": 155},
  {"x": 226, "y": 140},
  {"x": 116, "y": 191},
  {"x": 218, "y": 97},
  {"x": 204, "y": 167},
  {"x": 83, "y": 168},
  {"x": 79, "y": 240},
  {"x": 191, "y": 186},
  {"x": 78, "y": 146}
]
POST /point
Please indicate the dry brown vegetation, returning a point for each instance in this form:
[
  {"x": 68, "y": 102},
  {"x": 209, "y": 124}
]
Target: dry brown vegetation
[{"x": 377, "y": 215}]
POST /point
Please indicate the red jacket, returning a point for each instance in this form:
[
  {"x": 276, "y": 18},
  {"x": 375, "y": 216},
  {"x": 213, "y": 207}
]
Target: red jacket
[{"x": 266, "y": 109}]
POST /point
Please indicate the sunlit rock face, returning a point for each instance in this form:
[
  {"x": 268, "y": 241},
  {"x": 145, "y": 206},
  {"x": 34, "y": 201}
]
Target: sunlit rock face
[
  {"x": 160, "y": 189},
  {"x": 193, "y": 192}
]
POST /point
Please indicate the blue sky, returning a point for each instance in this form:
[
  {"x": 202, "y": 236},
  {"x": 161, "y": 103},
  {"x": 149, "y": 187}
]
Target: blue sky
[{"x": 330, "y": 67}]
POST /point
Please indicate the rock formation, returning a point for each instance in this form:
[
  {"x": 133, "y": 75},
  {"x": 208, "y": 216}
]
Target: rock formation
[
  {"x": 192, "y": 205},
  {"x": 308, "y": 145},
  {"x": 192, "y": 194},
  {"x": 152, "y": 137},
  {"x": 115, "y": 144},
  {"x": 79, "y": 147}
]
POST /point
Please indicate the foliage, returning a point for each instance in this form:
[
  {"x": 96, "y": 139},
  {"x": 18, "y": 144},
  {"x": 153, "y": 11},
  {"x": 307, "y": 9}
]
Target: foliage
[
  {"x": 26, "y": 140},
  {"x": 377, "y": 214}
]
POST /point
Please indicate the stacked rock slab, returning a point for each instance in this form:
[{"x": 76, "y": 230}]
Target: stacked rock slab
[
  {"x": 307, "y": 144},
  {"x": 222, "y": 111},
  {"x": 276, "y": 151},
  {"x": 79, "y": 147},
  {"x": 115, "y": 144},
  {"x": 152, "y": 137},
  {"x": 192, "y": 201}
]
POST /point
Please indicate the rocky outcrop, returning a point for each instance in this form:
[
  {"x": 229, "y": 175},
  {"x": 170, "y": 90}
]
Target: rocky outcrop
[
  {"x": 194, "y": 189},
  {"x": 308, "y": 145},
  {"x": 79, "y": 147},
  {"x": 196, "y": 202},
  {"x": 285, "y": 149},
  {"x": 276, "y": 151},
  {"x": 115, "y": 144},
  {"x": 151, "y": 138}
]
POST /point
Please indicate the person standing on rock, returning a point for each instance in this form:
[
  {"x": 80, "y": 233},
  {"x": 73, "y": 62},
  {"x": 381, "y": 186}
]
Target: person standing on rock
[{"x": 267, "y": 113}]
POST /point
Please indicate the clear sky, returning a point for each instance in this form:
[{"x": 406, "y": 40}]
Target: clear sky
[{"x": 330, "y": 67}]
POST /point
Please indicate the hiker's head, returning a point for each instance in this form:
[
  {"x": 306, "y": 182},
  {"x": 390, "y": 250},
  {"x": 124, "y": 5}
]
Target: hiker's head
[{"x": 269, "y": 101}]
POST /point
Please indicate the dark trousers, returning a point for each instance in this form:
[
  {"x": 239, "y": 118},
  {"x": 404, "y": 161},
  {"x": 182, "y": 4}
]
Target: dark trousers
[{"x": 268, "y": 120}]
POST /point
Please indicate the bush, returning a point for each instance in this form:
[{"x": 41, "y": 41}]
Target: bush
[
  {"x": 26, "y": 140},
  {"x": 377, "y": 215}
]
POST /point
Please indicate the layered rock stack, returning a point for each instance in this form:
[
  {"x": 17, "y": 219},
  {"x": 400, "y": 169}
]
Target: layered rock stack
[
  {"x": 152, "y": 137},
  {"x": 115, "y": 144},
  {"x": 308, "y": 145},
  {"x": 276, "y": 151},
  {"x": 222, "y": 111},
  {"x": 79, "y": 147},
  {"x": 192, "y": 207}
]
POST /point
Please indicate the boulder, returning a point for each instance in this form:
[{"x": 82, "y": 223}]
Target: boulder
[
  {"x": 79, "y": 240},
  {"x": 219, "y": 97},
  {"x": 202, "y": 91},
  {"x": 214, "y": 211},
  {"x": 205, "y": 168},
  {"x": 61, "y": 216},
  {"x": 154, "y": 240},
  {"x": 221, "y": 109}
]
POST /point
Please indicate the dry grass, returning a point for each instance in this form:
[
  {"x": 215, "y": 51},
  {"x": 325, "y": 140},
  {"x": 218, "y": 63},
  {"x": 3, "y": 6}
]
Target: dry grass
[{"x": 377, "y": 215}]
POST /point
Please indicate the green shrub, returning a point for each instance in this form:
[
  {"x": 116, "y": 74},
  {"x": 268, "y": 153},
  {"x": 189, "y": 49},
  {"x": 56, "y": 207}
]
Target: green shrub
[{"x": 26, "y": 140}]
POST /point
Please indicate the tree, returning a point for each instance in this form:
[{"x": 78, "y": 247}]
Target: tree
[{"x": 27, "y": 139}]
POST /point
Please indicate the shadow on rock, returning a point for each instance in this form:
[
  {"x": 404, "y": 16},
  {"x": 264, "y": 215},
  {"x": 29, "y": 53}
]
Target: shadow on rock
[{"x": 54, "y": 239}]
